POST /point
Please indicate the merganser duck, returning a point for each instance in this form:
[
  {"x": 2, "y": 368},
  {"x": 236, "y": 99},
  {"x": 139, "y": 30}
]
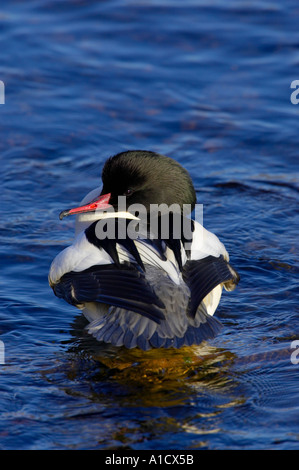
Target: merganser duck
[{"x": 150, "y": 290}]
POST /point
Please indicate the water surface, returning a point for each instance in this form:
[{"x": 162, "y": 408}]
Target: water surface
[{"x": 206, "y": 83}]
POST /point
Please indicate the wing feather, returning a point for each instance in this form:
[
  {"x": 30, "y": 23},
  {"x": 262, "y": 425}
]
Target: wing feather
[
  {"x": 203, "y": 275},
  {"x": 121, "y": 286}
]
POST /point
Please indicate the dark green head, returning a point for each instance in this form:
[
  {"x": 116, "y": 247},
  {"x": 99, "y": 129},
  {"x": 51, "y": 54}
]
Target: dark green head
[{"x": 147, "y": 178}]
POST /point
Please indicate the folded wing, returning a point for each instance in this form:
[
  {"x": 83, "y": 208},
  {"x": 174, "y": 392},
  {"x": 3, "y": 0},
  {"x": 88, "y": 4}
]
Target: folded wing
[
  {"x": 121, "y": 286},
  {"x": 203, "y": 275}
]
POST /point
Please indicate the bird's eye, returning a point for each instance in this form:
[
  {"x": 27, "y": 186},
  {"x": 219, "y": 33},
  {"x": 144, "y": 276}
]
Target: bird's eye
[{"x": 128, "y": 192}]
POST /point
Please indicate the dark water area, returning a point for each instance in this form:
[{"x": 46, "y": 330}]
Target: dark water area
[{"x": 206, "y": 83}]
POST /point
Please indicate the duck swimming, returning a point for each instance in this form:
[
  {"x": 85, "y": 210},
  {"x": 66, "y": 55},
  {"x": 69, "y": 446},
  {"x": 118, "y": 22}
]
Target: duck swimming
[{"x": 143, "y": 286}]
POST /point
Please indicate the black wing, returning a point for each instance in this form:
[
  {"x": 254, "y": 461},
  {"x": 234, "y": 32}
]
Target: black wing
[
  {"x": 122, "y": 286},
  {"x": 203, "y": 275}
]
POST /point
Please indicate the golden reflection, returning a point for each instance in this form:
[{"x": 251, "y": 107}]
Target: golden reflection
[
  {"x": 160, "y": 364},
  {"x": 159, "y": 377},
  {"x": 155, "y": 378}
]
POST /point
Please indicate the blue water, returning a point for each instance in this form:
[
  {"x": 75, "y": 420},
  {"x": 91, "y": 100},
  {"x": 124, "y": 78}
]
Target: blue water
[{"x": 204, "y": 82}]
